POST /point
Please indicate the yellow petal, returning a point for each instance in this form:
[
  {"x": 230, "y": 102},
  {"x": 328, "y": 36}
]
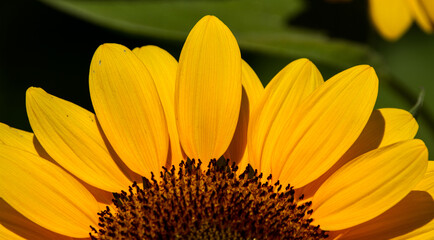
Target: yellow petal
[
  {"x": 23, "y": 140},
  {"x": 71, "y": 135},
  {"x": 397, "y": 125},
  {"x": 6, "y": 234},
  {"x": 17, "y": 138},
  {"x": 252, "y": 92},
  {"x": 322, "y": 129},
  {"x": 162, "y": 67},
  {"x": 392, "y": 18},
  {"x": 27, "y": 141},
  {"x": 128, "y": 108},
  {"x": 411, "y": 217},
  {"x": 244, "y": 162},
  {"x": 428, "y": 6},
  {"x": 423, "y": 13},
  {"x": 14, "y": 225},
  {"x": 45, "y": 194},
  {"x": 251, "y": 84},
  {"x": 427, "y": 183},
  {"x": 281, "y": 97},
  {"x": 385, "y": 126},
  {"x": 369, "y": 185},
  {"x": 423, "y": 233},
  {"x": 237, "y": 149},
  {"x": 208, "y": 90}
]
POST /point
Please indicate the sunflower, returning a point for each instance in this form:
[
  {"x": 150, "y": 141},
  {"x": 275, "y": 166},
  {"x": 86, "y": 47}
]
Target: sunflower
[
  {"x": 200, "y": 150},
  {"x": 392, "y": 18}
]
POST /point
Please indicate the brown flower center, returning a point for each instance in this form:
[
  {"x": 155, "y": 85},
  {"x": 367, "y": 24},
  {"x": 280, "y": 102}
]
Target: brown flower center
[{"x": 214, "y": 204}]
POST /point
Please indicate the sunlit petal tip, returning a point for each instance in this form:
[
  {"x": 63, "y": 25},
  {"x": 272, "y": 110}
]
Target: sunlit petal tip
[
  {"x": 361, "y": 67},
  {"x": 111, "y": 47},
  {"x": 363, "y": 76},
  {"x": 31, "y": 90},
  {"x": 208, "y": 90},
  {"x": 147, "y": 48},
  {"x": 302, "y": 61},
  {"x": 372, "y": 75},
  {"x": 33, "y": 94},
  {"x": 210, "y": 18}
]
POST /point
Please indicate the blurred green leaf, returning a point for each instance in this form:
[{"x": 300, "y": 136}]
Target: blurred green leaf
[{"x": 258, "y": 25}]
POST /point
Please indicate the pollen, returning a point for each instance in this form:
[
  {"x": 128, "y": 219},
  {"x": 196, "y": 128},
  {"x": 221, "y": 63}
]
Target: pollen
[{"x": 215, "y": 203}]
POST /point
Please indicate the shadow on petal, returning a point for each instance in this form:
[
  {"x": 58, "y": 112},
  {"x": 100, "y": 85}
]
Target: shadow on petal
[
  {"x": 369, "y": 139},
  {"x": 411, "y": 213},
  {"x": 131, "y": 175},
  {"x": 102, "y": 196}
]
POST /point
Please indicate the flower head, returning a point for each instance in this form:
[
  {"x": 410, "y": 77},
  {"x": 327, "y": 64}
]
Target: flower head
[
  {"x": 392, "y": 18},
  {"x": 306, "y": 158}
]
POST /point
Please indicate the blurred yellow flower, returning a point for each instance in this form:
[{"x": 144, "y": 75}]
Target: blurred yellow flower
[
  {"x": 354, "y": 171},
  {"x": 392, "y": 18}
]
